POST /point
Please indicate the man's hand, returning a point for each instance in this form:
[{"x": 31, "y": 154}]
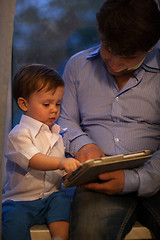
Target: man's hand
[
  {"x": 113, "y": 183},
  {"x": 89, "y": 151}
]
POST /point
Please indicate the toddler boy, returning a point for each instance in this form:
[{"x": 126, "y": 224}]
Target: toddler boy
[{"x": 35, "y": 158}]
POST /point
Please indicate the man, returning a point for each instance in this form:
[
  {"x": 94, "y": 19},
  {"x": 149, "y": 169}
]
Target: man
[{"x": 112, "y": 106}]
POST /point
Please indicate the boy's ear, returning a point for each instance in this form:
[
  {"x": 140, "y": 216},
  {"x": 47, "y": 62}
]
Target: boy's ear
[{"x": 22, "y": 103}]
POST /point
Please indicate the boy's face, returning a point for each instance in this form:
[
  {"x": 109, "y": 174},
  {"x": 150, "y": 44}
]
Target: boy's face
[{"x": 45, "y": 106}]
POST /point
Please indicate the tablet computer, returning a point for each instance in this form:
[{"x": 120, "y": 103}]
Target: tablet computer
[{"x": 89, "y": 170}]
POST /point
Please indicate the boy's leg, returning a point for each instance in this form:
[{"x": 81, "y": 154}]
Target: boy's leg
[
  {"x": 18, "y": 217},
  {"x": 99, "y": 216},
  {"x": 59, "y": 230},
  {"x": 15, "y": 222},
  {"x": 58, "y": 215},
  {"x": 149, "y": 213}
]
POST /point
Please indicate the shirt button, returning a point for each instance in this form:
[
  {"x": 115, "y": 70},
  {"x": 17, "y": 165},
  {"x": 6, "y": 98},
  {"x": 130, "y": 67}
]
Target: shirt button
[{"x": 116, "y": 139}]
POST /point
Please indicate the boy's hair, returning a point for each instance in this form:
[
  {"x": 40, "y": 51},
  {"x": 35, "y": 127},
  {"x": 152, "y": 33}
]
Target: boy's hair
[
  {"x": 33, "y": 78},
  {"x": 129, "y": 26}
]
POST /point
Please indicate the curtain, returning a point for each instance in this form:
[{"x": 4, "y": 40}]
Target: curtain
[{"x": 7, "y": 10}]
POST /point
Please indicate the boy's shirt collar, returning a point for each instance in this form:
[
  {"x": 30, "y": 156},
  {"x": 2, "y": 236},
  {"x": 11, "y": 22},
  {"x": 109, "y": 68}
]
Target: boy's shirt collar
[{"x": 35, "y": 126}]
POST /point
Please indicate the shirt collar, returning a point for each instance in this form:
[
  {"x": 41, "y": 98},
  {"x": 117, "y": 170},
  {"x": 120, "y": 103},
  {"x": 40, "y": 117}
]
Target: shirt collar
[
  {"x": 94, "y": 52},
  {"x": 35, "y": 126},
  {"x": 151, "y": 62}
]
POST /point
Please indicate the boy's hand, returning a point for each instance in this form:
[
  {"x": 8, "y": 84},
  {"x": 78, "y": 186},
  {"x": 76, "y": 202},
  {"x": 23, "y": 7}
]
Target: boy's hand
[{"x": 69, "y": 164}]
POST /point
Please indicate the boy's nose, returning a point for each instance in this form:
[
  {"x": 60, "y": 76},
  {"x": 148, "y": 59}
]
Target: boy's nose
[{"x": 54, "y": 109}]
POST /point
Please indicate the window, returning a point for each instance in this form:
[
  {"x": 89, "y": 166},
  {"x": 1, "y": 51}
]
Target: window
[{"x": 50, "y": 31}]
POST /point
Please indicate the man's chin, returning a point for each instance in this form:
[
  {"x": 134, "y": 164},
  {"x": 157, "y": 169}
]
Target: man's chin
[{"x": 119, "y": 73}]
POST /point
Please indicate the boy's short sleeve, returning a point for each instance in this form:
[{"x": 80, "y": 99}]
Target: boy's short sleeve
[{"x": 20, "y": 148}]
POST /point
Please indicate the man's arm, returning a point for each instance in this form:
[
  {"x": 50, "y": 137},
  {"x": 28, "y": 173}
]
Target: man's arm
[
  {"x": 145, "y": 180},
  {"x": 149, "y": 175},
  {"x": 74, "y": 138}
]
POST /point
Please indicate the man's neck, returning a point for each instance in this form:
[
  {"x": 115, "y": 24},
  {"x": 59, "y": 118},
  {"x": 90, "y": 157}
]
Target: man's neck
[{"x": 122, "y": 80}]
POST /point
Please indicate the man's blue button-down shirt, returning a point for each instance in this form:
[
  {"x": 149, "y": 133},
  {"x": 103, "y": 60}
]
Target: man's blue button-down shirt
[{"x": 95, "y": 111}]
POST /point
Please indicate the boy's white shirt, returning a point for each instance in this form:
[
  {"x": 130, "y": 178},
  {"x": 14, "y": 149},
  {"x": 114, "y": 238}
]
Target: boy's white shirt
[{"x": 25, "y": 140}]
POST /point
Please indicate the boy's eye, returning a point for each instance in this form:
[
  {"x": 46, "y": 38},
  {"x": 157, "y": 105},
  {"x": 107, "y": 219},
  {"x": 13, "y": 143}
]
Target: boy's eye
[
  {"x": 58, "y": 104},
  {"x": 46, "y": 104}
]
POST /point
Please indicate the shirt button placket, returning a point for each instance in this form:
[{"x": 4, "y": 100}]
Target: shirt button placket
[{"x": 117, "y": 116}]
